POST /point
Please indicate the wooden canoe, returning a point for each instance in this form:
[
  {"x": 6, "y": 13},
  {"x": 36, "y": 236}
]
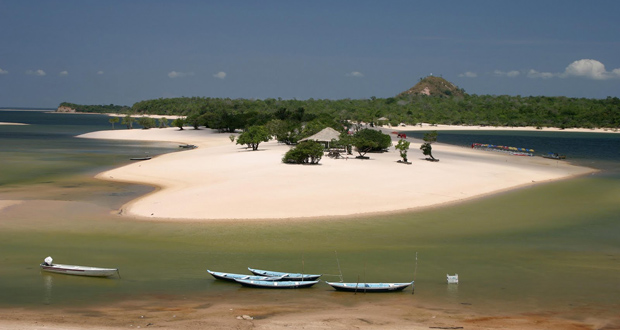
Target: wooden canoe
[
  {"x": 286, "y": 276},
  {"x": 79, "y": 270},
  {"x": 232, "y": 277},
  {"x": 277, "y": 284},
  {"x": 369, "y": 287}
]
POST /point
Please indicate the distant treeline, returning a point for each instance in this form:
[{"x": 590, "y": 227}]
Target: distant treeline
[
  {"x": 97, "y": 108},
  {"x": 486, "y": 110}
]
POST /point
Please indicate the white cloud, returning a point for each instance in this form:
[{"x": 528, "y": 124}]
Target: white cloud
[
  {"x": 589, "y": 68},
  {"x": 543, "y": 75},
  {"x": 3, "y": 71},
  {"x": 468, "y": 74},
  {"x": 509, "y": 74},
  {"x": 99, "y": 72},
  {"x": 36, "y": 73},
  {"x": 64, "y": 73},
  {"x": 356, "y": 74},
  {"x": 220, "y": 75},
  {"x": 176, "y": 74}
]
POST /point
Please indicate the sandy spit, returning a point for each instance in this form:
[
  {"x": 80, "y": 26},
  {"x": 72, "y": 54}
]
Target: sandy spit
[{"x": 222, "y": 180}]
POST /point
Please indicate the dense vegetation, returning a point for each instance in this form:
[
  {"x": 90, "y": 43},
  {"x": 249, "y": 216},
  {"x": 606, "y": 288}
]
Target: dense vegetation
[
  {"x": 111, "y": 108},
  {"x": 446, "y": 104}
]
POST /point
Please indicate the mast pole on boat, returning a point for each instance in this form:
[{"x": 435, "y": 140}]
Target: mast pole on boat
[
  {"x": 415, "y": 270},
  {"x": 339, "y": 270},
  {"x": 365, "y": 277}
]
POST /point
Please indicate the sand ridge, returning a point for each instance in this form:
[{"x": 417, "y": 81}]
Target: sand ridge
[{"x": 223, "y": 180}]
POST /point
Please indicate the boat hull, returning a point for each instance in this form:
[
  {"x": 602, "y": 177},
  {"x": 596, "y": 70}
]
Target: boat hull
[
  {"x": 285, "y": 276},
  {"x": 369, "y": 287},
  {"x": 277, "y": 284},
  {"x": 79, "y": 270},
  {"x": 232, "y": 277}
]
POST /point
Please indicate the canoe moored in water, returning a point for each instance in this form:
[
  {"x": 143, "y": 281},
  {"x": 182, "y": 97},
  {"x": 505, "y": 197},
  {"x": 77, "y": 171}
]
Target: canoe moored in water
[
  {"x": 286, "y": 276},
  {"x": 369, "y": 287},
  {"x": 277, "y": 284},
  {"x": 51, "y": 267},
  {"x": 232, "y": 277}
]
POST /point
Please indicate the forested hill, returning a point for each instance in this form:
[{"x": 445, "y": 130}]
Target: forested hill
[
  {"x": 434, "y": 86},
  {"x": 454, "y": 107}
]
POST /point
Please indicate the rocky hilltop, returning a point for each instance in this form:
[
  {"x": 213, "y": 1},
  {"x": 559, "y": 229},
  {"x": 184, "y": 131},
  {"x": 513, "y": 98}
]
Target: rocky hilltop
[
  {"x": 63, "y": 108},
  {"x": 434, "y": 86}
]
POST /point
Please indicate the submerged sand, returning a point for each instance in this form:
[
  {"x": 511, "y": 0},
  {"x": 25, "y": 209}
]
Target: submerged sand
[{"x": 223, "y": 180}]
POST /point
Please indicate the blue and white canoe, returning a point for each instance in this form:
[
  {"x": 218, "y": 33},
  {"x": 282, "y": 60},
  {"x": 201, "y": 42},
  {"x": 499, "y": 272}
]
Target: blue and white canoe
[
  {"x": 286, "y": 276},
  {"x": 277, "y": 284},
  {"x": 369, "y": 287},
  {"x": 232, "y": 277}
]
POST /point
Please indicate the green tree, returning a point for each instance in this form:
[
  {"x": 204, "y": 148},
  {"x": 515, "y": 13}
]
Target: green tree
[
  {"x": 403, "y": 146},
  {"x": 306, "y": 152},
  {"x": 146, "y": 122},
  {"x": 114, "y": 120},
  {"x": 253, "y": 136},
  {"x": 367, "y": 140},
  {"x": 426, "y": 147},
  {"x": 128, "y": 121},
  {"x": 163, "y": 122},
  {"x": 178, "y": 122}
]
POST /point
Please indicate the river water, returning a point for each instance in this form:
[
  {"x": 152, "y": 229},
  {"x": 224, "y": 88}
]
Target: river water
[{"x": 548, "y": 247}]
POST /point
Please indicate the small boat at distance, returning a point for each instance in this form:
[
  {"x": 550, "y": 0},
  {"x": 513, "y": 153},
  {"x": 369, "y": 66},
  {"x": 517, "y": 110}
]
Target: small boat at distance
[
  {"x": 369, "y": 287},
  {"x": 286, "y": 276},
  {"x": 140, "y": 158},
  {"x": 232, "y": 277},
  {"x": 553, "y": 155},
  {"x": 48, "y": 266},
  {"x": 277, "y": 284},
  {"x": 188, "y": 146}
]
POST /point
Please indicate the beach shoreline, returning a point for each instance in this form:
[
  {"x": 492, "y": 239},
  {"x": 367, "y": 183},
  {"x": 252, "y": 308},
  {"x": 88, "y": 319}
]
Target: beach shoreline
[
  {"x": 401, "y": 311},
  {"x": 208, "y": 183}
]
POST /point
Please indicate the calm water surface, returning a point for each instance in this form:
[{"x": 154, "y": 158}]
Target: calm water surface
[{"x": 548, "y": 247}]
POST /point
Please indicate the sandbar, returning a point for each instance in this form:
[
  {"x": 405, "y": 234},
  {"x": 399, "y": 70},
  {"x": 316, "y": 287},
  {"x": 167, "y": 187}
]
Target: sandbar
[
  {"x": 437, "y": 127},
  {"x": 221, "y": 180}
]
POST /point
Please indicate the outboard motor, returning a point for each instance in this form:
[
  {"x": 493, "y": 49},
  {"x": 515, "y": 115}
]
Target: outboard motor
[{"x": 48, "y": 261}]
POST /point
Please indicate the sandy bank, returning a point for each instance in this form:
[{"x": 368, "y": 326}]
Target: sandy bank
[
  {"x": 222, "y": 180},
  {"x": 429, "y": 127},
  {"x": 366, "y": 314}
]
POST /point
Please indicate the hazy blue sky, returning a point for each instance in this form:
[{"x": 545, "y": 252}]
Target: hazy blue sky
[{"x": 121, "y": 52}]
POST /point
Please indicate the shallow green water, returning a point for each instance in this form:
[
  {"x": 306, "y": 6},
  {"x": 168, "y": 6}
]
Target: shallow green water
[
  {"x": 548, "y": 247},
  {"x": 552, "y": 246}
]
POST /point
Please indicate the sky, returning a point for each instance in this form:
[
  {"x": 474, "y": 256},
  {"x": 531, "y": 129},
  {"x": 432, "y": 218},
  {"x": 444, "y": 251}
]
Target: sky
[{"x": 122, "y": 52}]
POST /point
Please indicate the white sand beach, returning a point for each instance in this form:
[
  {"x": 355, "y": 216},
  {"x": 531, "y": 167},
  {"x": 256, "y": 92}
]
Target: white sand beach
[
  {"x": 222, "y": 180},
  {"x": 429, "y": 127}
]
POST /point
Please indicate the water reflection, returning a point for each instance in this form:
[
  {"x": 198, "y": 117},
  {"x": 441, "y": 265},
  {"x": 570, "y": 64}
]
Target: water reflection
[
  {"x": 452, "y": 290},
  {"x": 48, "y": 283}
]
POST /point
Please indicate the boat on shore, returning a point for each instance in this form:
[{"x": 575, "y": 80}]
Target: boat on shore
[
  {"x": 48, "y": 266},
  {"x": 286, "y": 276},
  {"x": 553, "y": 155},
  {"x": 277, "y": 284},
  {"x": 140, "y": 158},
  {"x": 232, "y": 277},
  {"x": 188, "y": 146},
  {"x": 369, "y": 287}
]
